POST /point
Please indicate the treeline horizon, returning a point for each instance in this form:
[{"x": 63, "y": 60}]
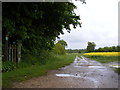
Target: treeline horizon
[{"x": 101, "y": 49}]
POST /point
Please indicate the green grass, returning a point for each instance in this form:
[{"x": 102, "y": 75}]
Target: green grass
[
  {"x": 104, "y": 59},
  {"x": 21, "y": 74}
]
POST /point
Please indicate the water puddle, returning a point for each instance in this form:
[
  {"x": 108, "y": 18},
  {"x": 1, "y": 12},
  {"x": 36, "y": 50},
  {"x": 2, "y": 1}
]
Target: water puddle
[
  {"x": 82, "y": 66},
  {"x": 90, "y": 66},
  {"x": 96, "y": 67},
  {"x": 67, "y": 75}
]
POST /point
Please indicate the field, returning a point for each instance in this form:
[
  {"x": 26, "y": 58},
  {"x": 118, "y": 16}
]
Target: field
[
  {"x": 104, "y": 57},
  {"x": 103, "y": 54}
]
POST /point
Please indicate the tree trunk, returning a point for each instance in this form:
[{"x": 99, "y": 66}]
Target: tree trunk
[{"x": 19, "y": 45}]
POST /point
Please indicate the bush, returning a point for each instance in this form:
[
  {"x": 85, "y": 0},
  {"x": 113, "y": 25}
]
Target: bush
[
  {"x": 29, "y": 60},
  {"x": 8, "y": 66},
  {"x": 59, "y": 49},
  {"x": 26, "y": 61}
]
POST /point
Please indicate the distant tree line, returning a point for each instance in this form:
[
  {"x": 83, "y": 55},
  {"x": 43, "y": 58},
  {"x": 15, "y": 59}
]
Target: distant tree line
[
  {"x": 75, "y": 50},
  {"x": 104, "y": 49},
  {"x": 91, "y": 48},
  {"x": 108, "y": 49}
]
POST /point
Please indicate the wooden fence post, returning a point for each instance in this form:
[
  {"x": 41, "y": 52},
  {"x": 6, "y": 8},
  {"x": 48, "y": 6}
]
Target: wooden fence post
[
  {"x": 19, "y": 45},
  {"x": 9, "y": 50},
  {"x": 14, "y": 53}
]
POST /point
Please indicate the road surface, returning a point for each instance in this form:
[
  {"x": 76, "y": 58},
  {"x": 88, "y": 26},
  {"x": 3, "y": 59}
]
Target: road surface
[{"x": 83, "y": 73}]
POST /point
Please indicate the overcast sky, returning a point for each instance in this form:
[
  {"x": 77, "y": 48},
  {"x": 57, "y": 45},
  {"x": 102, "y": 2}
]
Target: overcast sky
[{"x": 99, "y": 24}]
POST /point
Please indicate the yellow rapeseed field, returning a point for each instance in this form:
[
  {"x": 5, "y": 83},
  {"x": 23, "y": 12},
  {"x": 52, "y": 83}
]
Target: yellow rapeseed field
[{"x": 103, "y": 54}]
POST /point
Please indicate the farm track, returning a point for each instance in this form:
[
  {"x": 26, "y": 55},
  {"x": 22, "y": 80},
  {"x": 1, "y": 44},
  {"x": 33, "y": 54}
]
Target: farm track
[{"x": 83, "y": 73}]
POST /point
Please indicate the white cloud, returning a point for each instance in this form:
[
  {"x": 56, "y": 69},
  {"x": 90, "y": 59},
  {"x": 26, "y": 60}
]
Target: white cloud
[{"x": 99, "y": 24}]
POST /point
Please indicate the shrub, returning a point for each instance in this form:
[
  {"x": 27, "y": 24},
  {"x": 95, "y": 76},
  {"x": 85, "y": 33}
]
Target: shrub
[
  {"x": 59, "y": 49},
  {"x": 8, "y": 66}
]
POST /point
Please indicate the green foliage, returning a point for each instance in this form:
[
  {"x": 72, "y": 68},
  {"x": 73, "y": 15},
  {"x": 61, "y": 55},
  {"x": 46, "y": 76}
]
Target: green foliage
[
  {"x": 75, "y": 50},
  {"x": 8, "y": 66},
  {"x": 37, "y": 25},
  {"x": 108, "y": 49},
  {"x": 20, "y": 74},
  {"x": 58, "y": 49},
  {"x": 34, "y": 59},
  {"x": 63, "y": 43},
  {"x": 91, "y": 46},
  {"x": 27, "y": 60}
]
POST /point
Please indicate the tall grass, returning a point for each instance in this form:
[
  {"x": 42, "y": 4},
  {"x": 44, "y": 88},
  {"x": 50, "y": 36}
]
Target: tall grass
[{"x": 36, "y": 69}]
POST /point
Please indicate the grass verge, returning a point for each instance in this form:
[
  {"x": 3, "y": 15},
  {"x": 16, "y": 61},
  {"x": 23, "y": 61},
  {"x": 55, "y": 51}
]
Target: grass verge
[
  {"x": 104, "y": 59},
  {"x": 21, "y": 74}
]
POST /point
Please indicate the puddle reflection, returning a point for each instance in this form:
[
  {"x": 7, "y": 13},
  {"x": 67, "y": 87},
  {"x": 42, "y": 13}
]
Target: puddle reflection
[{"x": 67, "y": 75}]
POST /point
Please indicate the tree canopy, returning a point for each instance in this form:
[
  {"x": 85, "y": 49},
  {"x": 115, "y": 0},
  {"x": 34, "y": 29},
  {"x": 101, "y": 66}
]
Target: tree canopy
[
  {"x": 63, "y": 43},
  {"x": 37, "y": 24},
  {"x": 91, "y": 46},
  {"x": 58, "y": 49}
]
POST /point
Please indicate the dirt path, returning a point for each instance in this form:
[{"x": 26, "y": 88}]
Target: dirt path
[{"x": 83, "y": 73}]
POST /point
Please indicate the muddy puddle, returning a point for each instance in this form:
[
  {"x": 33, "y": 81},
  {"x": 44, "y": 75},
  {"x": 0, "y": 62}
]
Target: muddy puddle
[
  {"x": 68, "y": 75},
  {"x": 82, "y": 73},
  {"x": 93, "y": 71}
]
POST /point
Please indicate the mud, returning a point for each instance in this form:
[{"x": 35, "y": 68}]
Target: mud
[
  {"x": 113, "y": 64},
  {"x": 83, "y": 73}
]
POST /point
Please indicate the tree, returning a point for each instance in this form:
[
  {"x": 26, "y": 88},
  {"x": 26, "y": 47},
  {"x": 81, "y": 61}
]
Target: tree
[
  {"x": 63, "y": 43},
  {"x": 91, "y": 46},
  {"x": 58, "y": 49},
  {"x": 36, "y": 25}
]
